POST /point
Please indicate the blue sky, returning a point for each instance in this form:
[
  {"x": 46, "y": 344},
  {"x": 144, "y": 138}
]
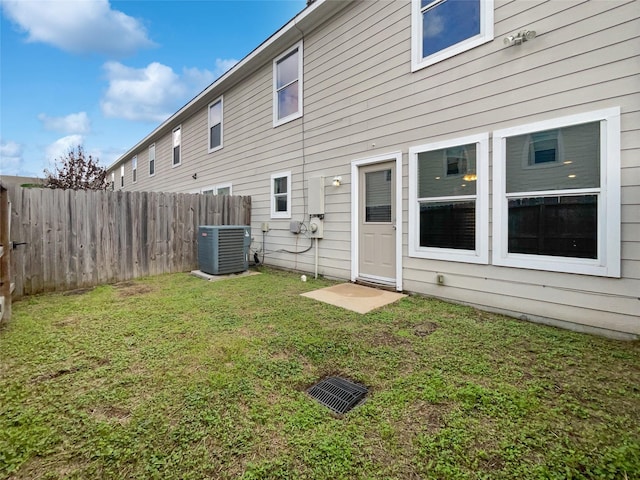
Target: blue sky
[{"x": 104, "y": 74}]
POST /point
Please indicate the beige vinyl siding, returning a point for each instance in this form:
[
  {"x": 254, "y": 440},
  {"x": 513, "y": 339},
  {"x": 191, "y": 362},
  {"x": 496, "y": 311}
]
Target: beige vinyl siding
[
  {"x": 361, "y": 100},
  {"x": 507, "y": 87}
]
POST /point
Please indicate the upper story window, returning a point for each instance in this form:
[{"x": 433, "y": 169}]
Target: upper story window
[
  {"x": 152, "y": 160},
  {"x": 556, "y": 195},
  {"x": 444, "y": 28},
  {"x": 177, "y": 141},
  {"x": 121, "y": 175},
  {"x": 287, "y": 86},
  {"x": 449, "y": 200},
  {"x": 281, "y": 195},
  {"x": 215, "y": 125},
  {"x": 134, "y": 168},
  {"x": 113, "y": 180}
]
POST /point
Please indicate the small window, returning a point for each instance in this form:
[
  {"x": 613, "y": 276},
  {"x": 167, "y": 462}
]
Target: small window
[
  {"x": 222, "y": 189},
  {"x": 152, "y": 160},
  {"x": 121, "y": 176},
  {"x": 134, "y": 168},
  {"x": 566, "y": 218},
  {"x": 215, "y": 125},
  {"x": 113, "y": 181},
  {"x": 543, "y": 148},
  {"x": 378, "y": 197},
  {"x": 456, "y": 160},
  {"x": 177, "y": 141},
  {"x": 287, "y": 86},
  {"x": 444, "y": 28},
  {"x": 281, "y": 195},
  {"x": 448, "y": 195}
]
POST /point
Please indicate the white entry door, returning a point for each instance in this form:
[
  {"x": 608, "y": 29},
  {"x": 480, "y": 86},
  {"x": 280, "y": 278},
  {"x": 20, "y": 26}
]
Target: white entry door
[{"x": 377, "y": 223}]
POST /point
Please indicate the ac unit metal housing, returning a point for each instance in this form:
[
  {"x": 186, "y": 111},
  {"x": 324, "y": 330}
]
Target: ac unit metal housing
[{"x": 223, "y": 249}]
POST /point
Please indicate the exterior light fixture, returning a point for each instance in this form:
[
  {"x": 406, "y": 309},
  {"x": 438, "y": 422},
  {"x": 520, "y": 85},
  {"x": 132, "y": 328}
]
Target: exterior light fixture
[
  {"x": 337, "y": 181},
  {"x": 519, "y": 38}
]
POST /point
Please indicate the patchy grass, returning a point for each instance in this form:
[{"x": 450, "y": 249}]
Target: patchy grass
[{"x": 173, "y": 377}]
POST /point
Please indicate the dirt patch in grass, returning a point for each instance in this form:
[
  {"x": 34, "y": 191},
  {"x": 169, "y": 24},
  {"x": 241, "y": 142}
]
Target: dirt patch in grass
[
  {"x": 96, "y": 362},
  {"x": 79, "y": 291},
  {"x": 425, "y": 329},
  {"x": 132, "y": 289},
  {"x": 67, "y": 322},
  {"x": 382, "y": 338},
  {"x": 54, "y": 375},
  {"x": 111, "y": 413}
]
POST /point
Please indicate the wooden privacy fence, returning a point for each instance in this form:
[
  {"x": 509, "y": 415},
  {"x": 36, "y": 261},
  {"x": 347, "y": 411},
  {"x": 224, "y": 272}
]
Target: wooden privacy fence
[{"x": 79, "y": 239}]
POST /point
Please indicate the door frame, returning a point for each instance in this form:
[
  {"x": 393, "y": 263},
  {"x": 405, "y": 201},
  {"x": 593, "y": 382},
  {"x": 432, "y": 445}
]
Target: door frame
[{"x": 355, "y": 209}]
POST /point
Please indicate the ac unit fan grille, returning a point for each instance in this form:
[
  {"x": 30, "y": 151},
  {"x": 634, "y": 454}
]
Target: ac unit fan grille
[{"x": 230, "y": 251}]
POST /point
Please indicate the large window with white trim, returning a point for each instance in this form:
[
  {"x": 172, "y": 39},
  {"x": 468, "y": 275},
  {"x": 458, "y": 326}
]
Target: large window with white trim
[
  {"x": 448, "y": 200},
  {"x": 287, "y": 86},
  {"x": 177, "y": 142},
  {"x": 557, "y": 194},
  {"x": 444, "y": 28},
  {"x": 281, "y": 195},
  {"x": 134, "y": 169},
  {"x": 215, "y": 125}
]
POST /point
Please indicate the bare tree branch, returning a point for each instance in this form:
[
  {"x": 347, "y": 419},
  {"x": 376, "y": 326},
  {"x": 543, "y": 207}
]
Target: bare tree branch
[{"x": 76, "y": 171}]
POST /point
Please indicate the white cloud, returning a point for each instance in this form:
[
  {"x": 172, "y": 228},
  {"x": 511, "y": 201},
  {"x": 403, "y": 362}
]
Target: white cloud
[
  {"x": 87, "y": 26},
  {"x": 154, "y": 92},
  {"x": 434, "y": 27},
  {"x": 72, "y": 123},
  {"x": 10, "y": 158},
  {"x": 148, "y": 93},
  {"x": 224, "y": 64},
  {"x": 107, "y": 156},
  {"x": 61, "y": 147}
]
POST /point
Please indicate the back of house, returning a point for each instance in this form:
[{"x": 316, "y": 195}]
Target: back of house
[{"x": 484, "y": 152}]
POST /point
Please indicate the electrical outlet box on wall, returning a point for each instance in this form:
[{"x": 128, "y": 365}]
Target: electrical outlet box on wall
[{"x": 295, "y": 226}]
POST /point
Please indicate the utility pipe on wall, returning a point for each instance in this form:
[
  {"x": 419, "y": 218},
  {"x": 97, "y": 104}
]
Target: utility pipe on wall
[{"x": 316, "y": 270}]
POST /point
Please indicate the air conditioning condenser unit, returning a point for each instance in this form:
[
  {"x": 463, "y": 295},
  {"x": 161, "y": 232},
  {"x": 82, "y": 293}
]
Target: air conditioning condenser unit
[{"x": 223, "y": 249}]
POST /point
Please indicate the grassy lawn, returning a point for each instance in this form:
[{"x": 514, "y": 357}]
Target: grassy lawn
[{"x": 174, "y": 377}]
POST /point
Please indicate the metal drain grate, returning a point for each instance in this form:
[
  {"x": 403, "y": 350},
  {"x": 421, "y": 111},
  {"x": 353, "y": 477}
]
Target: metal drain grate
[{"x": 338, "y": 394}]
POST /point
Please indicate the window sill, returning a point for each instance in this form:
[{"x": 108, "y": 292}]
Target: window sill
[
  {"x": 290, "y": 118},
  {"x": 280, "y": 216},
  {"x": 450, "y": 255},
  {"x": 420, "y": 63},
  {"x": 557, "y": 264}
]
